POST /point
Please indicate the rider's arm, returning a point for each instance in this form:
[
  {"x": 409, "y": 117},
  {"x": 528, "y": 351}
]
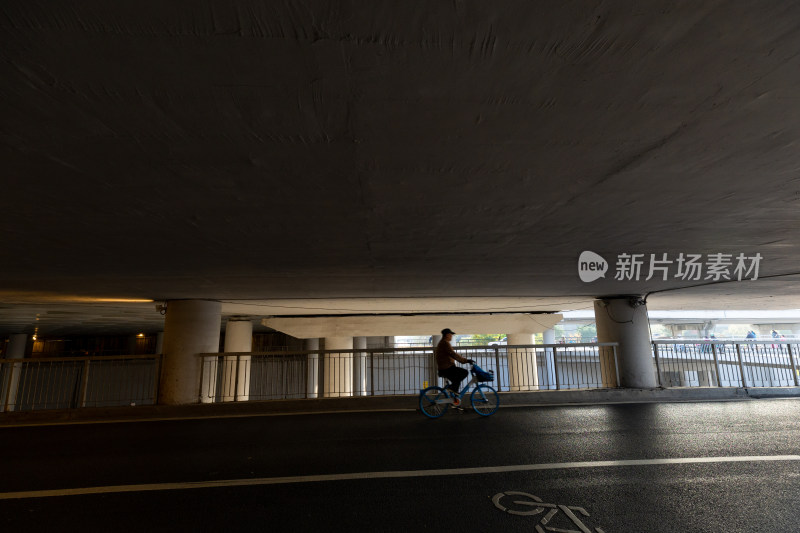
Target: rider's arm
[
  {"x": 452, "y": 353},
  {"x": 459, "y": 358}
]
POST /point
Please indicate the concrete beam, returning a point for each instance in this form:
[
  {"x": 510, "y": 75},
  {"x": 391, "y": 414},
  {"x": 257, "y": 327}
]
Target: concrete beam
[{"x": 367, "y": 326}]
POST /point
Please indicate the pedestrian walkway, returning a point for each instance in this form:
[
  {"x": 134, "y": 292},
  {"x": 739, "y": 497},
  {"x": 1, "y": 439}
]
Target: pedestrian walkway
[{"x": 381, "y": 403}]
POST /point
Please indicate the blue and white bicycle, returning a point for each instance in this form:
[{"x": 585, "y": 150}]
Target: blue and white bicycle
[{"x": 435, "y": 401}]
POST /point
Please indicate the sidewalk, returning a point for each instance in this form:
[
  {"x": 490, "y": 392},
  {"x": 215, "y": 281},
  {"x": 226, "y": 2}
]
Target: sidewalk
[{"x": 380, "y": 403}]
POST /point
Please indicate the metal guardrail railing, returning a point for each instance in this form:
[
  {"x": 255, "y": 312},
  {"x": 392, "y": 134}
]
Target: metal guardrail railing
[
  {"x": 399, "y": 371},
  {"x": 313, "y": 374},
  {"x": 704, "y": 363},
  {"x": 74, "y": 382}
]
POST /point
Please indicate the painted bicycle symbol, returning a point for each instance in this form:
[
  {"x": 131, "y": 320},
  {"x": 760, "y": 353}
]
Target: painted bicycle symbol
[{"x": 525, "y": 504}]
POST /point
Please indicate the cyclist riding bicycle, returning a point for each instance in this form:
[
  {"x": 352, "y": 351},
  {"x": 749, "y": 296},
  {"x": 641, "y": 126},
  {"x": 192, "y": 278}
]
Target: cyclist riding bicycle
[{"x": 445, "y": 362}]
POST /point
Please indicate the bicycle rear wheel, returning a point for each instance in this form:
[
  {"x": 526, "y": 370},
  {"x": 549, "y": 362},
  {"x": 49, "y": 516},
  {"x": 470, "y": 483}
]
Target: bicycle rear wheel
[
  {"x": 485, "y": 400},
  {"x": 430, "y": 402}
]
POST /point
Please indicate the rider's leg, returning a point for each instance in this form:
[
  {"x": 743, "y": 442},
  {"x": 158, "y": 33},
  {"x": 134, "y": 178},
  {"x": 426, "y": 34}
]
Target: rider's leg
[
  {"x": 446, "y": 375},
  {"x": 456, "y": 375}
]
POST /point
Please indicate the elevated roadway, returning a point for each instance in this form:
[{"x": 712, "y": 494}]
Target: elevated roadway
[{"x": 340, "y": 158}]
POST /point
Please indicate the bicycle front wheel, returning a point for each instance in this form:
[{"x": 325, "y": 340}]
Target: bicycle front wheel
[
  {"x": 485, "y": 400},
  {"x": 431, "y": 402}
]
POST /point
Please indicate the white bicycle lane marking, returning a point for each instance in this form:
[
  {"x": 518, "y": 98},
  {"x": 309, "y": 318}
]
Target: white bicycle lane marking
[
  {"x": 384, "y": 475},
  {"x": 539, "y": 506}
]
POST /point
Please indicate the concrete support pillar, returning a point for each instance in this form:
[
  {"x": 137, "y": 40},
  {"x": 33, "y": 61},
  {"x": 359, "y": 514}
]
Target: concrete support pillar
[
  {"x": 764, "y": 330},
  {"x": 380, "y": 342},
  {"x": 624, "y": 320},
  {"x": 360, "y": 367},
  {"x": 549, "y": 337},
  {"x": 691, "y": 330},
  {"x": 236, "y": 369},
  {"x": 338, "y": 367},
  {"x": 523, "y": 372},
  {"x": 160, "y": 342},
  {"x": 8, "y": 389},
  {"x": 191, "y": 327},
  {"x": 312, "y": 370}
]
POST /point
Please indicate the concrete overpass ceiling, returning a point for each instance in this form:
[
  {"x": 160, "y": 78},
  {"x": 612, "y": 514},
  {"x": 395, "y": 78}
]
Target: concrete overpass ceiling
[{"x": 253, "y": 152}]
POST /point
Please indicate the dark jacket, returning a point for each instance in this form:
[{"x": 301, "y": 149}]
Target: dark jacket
[{"x": 446, "y": 356}]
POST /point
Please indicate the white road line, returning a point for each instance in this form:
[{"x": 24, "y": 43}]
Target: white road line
[{"x": 384, "y": 475}]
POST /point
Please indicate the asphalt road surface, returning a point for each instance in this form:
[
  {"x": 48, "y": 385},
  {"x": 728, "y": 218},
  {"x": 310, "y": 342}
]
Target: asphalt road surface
[{"x": 705, "y": 467}]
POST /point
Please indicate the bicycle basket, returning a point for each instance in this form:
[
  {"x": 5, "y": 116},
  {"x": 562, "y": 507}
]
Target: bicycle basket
[{"x": 481, "y": 374}]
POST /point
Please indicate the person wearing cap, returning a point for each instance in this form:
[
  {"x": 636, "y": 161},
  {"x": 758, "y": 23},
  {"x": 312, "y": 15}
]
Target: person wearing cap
[{"x": 446, "y": 359}]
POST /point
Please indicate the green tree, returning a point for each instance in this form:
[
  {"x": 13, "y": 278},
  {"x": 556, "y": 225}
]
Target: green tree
[
  {"x": 486, "y": 338},
  {"x": 588, "y": 332}
]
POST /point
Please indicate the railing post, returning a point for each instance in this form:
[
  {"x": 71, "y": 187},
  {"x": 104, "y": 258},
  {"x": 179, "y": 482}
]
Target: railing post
[
  {"x": 741, "y": 365},
  {"x": 8, "y": 387},
  {"x": 84, "y": 382},
  {"x": 794, "y": 366},
  {"x": 372, "y": 373},
  {"x": 321, "y": 378},
  {"x": 555, "y": 367},
  {"x": 433, "y": 371},
  {"x": 658, "y": 365},
  {"x": 202, "y": 372},
  {"x": 285, "y": 375},
  {"x": 157, "y": 379},
  {"x": 716, "y": 364},
  {"x": 497, "y": 366},
  {"x": 305, "y": 376},
  {"x": 236, "y": 379}
]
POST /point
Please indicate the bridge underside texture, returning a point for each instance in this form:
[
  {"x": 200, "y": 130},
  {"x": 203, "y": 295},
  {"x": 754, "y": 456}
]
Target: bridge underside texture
[{"x": 338, "y": 158}]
